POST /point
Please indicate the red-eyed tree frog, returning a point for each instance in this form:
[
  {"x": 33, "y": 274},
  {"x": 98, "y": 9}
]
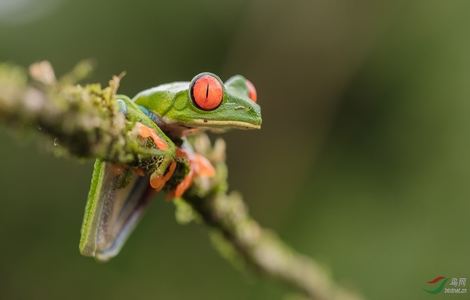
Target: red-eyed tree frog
[{"x": 164, "y": 115}]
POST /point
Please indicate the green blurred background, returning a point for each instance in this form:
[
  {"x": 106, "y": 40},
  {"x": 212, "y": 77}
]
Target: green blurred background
[{"x": 362, "y": 161}]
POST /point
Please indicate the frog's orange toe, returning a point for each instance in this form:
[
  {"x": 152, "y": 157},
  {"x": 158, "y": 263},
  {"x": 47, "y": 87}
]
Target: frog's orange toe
[
  {"x": 158, "y": 182},
  {"x": 183, "y": 185}
]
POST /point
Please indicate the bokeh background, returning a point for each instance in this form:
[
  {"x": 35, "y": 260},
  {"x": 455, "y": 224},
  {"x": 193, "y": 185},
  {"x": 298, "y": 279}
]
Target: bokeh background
[{"x": 363, "y": 160}]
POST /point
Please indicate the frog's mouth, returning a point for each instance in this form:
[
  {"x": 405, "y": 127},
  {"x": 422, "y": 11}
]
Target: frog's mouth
[
  {"x": 223, "y": 124},
  {"x": 181, "y": 128}
]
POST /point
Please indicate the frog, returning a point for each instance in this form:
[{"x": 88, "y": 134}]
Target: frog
[{"x": 165, "y": 116}]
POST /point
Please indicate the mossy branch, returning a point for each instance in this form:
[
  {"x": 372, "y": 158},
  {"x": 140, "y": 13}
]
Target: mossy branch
[{"x": 85, "y": 121}]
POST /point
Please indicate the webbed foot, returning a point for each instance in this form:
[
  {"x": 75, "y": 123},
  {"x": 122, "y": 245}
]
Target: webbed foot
[{"x": 198, "y": 166}]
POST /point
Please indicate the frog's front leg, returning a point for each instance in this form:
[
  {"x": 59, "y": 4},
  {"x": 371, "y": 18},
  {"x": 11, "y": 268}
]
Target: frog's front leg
[
  {"x": 148, "y": 129},
  {"x": 163, "y": 172}
]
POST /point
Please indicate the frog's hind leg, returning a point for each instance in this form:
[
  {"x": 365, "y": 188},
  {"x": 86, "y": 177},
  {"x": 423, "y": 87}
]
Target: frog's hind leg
[{"x": 116, "y": 202}]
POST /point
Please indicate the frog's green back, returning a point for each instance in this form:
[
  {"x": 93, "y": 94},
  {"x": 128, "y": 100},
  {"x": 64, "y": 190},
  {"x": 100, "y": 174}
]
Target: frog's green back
[{"x": 161, "y": 99}]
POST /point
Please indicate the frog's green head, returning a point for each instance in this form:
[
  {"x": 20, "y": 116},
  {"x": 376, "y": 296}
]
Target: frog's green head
[{"x": 205, "y": 102}]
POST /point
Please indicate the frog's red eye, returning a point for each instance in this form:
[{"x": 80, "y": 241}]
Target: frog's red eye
[
  {"x": 251, "y": 90},
  {"x": 207, "y": 92}
]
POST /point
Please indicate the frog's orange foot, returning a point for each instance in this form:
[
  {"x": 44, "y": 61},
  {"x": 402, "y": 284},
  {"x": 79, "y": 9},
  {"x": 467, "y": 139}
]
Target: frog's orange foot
[
  {"x": 198, "y": 166},
  {"x": 197, "y": 162},
  {"x": 157, "y": 182},
  {"x": 202, "y": 166},
  {"x": 184, "y": 185},
  {"x": 147, "y": 132}
]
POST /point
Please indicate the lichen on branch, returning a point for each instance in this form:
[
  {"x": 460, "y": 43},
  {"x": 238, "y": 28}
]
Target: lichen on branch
[{"x": 84, "y": 119}]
